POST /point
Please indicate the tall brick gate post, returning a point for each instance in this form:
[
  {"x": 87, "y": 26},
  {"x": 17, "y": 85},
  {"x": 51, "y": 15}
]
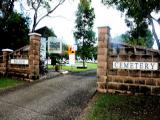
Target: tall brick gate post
[
  {"x": 34, "y": 55},
  {"x": 103, "y": 38},
  {"x": 5, "y": 60}
]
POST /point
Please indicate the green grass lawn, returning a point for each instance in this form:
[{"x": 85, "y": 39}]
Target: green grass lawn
[
  {"x": 90, "y": 66},
  {"x": 122, "y": 107},
  {"x": 6, "y": 83}
]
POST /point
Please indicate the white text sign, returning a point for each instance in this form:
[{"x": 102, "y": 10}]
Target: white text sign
[
  {"x": 54, "y": 45},
  {"x": 135, "y": 65},
  {"x": 19, "y": 61}
]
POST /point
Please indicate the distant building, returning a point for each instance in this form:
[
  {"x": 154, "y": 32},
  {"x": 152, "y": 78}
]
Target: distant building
[{"x": 45, "y": 32}]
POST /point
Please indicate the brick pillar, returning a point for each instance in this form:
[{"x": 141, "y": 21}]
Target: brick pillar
[
  {"x": 103, "y": 39},
  {"x": 5, "y": 60},
  {"x": 34, "y": 55}
]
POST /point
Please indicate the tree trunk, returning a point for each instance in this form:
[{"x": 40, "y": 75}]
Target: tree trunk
[
  {"x": 83, "y": 58},
  {"x": 154, "y": 33}
]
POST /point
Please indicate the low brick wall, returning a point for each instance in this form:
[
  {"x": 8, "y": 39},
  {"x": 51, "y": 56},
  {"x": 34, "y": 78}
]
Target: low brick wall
[
  {"x": 29, "y": 54},
  {"x": 125, "y": 68}
]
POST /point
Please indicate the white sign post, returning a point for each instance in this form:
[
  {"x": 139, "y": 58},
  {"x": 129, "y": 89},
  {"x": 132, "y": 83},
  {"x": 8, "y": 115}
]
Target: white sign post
[
  {"x": 72, "y": 60},
  {"x": 43, "y": 49}
]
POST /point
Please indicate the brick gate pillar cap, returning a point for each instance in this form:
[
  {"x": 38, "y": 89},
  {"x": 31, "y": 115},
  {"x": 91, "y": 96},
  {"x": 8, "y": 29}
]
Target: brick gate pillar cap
[
  {"x": 32, "y": 34},
  {"x": 7, "y": 50},
  {"x": 104, "y": 29}
]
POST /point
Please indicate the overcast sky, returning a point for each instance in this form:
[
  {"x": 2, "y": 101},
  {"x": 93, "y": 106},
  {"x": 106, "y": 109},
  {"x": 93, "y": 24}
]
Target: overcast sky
[{"x": 63, "y": 20}]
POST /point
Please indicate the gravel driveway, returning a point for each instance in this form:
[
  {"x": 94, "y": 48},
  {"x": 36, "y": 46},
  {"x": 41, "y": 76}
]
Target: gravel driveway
[{"x": 60, "y": 98}]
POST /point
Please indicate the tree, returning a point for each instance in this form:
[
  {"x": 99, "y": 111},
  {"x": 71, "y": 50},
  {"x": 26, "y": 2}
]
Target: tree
[
  {"x": 16, "y": 31},
  {"x": 37, "y": 6},
  {"x": 14, "y": 26},
  {"x": 6, "y": 7},
  {"x": 140, "y": 11},
  {"x": 94, "y": 53},
  {"x": 142, "y": 41},
  {"x": 84, "y": 35},
  {"x": 139, "y": 36}
]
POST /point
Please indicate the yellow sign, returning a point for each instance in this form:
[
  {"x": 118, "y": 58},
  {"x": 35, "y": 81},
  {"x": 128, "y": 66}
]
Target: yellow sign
[{"x": 71, "y": 50}]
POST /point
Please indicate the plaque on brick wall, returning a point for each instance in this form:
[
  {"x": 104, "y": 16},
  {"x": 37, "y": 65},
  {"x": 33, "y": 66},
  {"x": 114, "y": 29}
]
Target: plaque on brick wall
[
  {"x": 135, "y": 65},
  {"x": 19, "y": 61}
]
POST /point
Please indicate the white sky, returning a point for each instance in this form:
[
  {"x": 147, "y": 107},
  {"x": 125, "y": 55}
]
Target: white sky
[{"x": 63, "y": 20}]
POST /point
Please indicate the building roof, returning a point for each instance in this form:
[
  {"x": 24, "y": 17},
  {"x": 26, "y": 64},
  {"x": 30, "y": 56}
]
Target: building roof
[{"x": 45, "y": 32}]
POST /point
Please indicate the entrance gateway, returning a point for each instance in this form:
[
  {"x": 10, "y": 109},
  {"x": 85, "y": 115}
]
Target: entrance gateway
[{"x": 125, "y": 68}]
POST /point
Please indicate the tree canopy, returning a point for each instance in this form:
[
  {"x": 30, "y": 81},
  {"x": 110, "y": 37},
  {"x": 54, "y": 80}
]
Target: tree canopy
[
  {"x": 6, "y": 7},
  {"x": 146, "y": 41},
  {"x": 14, "y": 26},
  {"x": 139, "y": 35},
  {"x": 138, "y": 12},
  {"x": 84, "y": 34}
]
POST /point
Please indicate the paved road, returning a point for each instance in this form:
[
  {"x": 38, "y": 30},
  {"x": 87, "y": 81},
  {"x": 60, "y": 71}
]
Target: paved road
[{"x": 60, "y": 98}]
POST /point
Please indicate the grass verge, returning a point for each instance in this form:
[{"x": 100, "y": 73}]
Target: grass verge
[
  {"x": 121, "y": 107},
  {"x": 6, "y": 83},
  {"x": 90, "y": 66}
]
